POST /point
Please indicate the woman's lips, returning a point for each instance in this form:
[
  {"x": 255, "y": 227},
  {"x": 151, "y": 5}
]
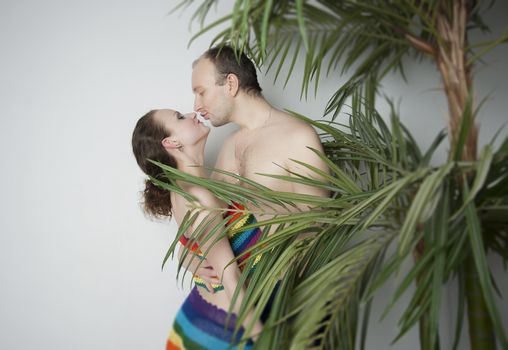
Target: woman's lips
[{"x": 201, "y": 117}]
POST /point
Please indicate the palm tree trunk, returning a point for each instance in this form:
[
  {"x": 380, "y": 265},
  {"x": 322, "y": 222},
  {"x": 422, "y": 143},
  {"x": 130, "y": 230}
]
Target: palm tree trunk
[
  {"x": 456, "y": 75},
  {"x": 455, "y": 72},
  {"x": 450, "y": 57},
  {"x": 480, "y": 326}
]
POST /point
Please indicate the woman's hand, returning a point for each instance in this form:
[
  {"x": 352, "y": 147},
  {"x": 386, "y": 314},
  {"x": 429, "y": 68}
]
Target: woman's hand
[
  {"x": 256, "y": 331},
  {"x": 205, "y": 271}
]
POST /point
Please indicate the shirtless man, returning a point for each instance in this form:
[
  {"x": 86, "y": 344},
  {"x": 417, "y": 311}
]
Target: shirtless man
[{"x": 227, "y": 91}]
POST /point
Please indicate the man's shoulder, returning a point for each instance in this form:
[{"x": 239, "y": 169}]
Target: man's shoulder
[{"x": 291, "y": 128}]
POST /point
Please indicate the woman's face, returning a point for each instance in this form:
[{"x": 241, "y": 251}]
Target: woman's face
[{"x": 185, "y": 128}]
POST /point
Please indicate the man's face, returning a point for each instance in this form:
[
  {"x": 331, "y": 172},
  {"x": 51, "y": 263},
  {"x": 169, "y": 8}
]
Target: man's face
[{"x": 212, "y": 101}]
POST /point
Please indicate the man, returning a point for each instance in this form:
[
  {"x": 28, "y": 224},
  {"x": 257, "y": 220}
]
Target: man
[{"x": 227, "y": 91}]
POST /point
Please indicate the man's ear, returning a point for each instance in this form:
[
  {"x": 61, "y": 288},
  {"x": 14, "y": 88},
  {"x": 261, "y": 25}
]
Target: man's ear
[
  {"x": 170, "y": 143},
  {"x": 232, "y": 83}
]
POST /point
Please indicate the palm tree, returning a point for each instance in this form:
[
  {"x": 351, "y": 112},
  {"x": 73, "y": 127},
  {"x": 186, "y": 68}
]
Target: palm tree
[{"x": 442, "y": 220}]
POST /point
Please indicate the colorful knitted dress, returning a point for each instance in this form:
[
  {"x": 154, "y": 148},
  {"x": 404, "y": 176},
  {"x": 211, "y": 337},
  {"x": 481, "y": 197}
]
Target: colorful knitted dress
[{"x": 199, "y": 324}]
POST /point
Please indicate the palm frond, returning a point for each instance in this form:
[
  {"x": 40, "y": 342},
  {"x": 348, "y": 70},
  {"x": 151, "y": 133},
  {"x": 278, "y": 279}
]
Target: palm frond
[
  {"x": 350, "y": 231},
  {"x": 384, "y": 190}
]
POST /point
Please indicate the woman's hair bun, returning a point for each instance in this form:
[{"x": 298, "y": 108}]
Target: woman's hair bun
[{"x": 157, "y": 201}]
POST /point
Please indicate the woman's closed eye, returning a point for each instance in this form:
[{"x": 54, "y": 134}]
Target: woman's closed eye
[{"x": 180, "y": 116}]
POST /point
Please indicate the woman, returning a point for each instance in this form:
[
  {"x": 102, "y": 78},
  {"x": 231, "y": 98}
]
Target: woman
[{"x": 179, "y": 140}]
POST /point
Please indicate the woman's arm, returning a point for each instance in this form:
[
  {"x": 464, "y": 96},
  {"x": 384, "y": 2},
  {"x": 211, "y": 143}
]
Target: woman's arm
[
  {"x": 201, "y": 268},
  {"x": 220, "y": 253}
]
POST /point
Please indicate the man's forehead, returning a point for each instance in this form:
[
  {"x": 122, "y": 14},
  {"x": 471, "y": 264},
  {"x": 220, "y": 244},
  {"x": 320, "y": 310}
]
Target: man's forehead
[
  {"x": 203, "y": 72},
  {"x": 203, "y": 66}
]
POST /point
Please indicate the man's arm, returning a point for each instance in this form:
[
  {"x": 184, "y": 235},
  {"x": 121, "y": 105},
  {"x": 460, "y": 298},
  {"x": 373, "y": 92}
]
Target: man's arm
[{"x": 302, "y": 139}]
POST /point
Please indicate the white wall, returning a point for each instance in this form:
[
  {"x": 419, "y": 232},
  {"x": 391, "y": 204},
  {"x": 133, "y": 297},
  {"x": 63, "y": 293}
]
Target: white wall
[{"x": 79, "y": 263}]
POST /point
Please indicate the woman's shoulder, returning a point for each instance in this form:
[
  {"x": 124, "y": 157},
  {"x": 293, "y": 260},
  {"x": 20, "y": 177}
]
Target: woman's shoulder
[{"x": 203, "y": 198}]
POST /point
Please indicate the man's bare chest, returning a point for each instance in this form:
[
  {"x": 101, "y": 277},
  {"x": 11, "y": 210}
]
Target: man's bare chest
[{"x": 255, "y": 160}]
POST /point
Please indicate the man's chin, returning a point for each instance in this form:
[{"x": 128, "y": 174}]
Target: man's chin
[{"x": 217, "y": 123}]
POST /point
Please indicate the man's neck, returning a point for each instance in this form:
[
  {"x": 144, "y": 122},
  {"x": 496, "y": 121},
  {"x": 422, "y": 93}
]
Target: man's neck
[{"x": 251, "y": 113}]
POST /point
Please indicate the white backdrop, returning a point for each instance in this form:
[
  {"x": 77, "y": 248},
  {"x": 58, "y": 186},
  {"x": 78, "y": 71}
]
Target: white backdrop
[{"x": 79, "y": 263}]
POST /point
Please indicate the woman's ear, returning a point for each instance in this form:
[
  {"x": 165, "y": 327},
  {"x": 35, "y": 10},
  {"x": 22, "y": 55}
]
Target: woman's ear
[
  {"x": 233, "y": 84},
  {"x": 170, "y": 143}
]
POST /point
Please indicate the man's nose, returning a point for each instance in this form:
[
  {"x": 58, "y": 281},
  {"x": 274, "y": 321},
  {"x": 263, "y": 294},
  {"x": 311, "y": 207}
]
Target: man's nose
[{"x": 197, "y": 105}]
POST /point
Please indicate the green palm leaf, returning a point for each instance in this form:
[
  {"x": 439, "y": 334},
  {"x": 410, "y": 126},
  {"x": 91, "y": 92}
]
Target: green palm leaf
[{"x": 383, "y": 188}]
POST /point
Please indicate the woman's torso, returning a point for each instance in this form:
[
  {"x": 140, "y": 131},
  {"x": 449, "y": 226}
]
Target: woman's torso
[{"x": 239, "y": 242}]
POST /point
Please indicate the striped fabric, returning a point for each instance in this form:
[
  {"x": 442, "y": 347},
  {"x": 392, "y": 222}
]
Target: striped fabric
[
  {"x": 199, "y": 324},
  {"x": 240, "y": 240}
]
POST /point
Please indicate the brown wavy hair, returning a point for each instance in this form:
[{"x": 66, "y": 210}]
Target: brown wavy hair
[{"x": 146, "y": 144}]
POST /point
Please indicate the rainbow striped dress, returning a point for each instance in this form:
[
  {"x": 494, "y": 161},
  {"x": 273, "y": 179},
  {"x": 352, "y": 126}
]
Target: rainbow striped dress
[{"x": 200, "y": 324}]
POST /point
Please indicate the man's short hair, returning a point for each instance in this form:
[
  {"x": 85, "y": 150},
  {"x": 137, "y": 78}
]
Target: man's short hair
[{"x": 226, "y": 61}]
